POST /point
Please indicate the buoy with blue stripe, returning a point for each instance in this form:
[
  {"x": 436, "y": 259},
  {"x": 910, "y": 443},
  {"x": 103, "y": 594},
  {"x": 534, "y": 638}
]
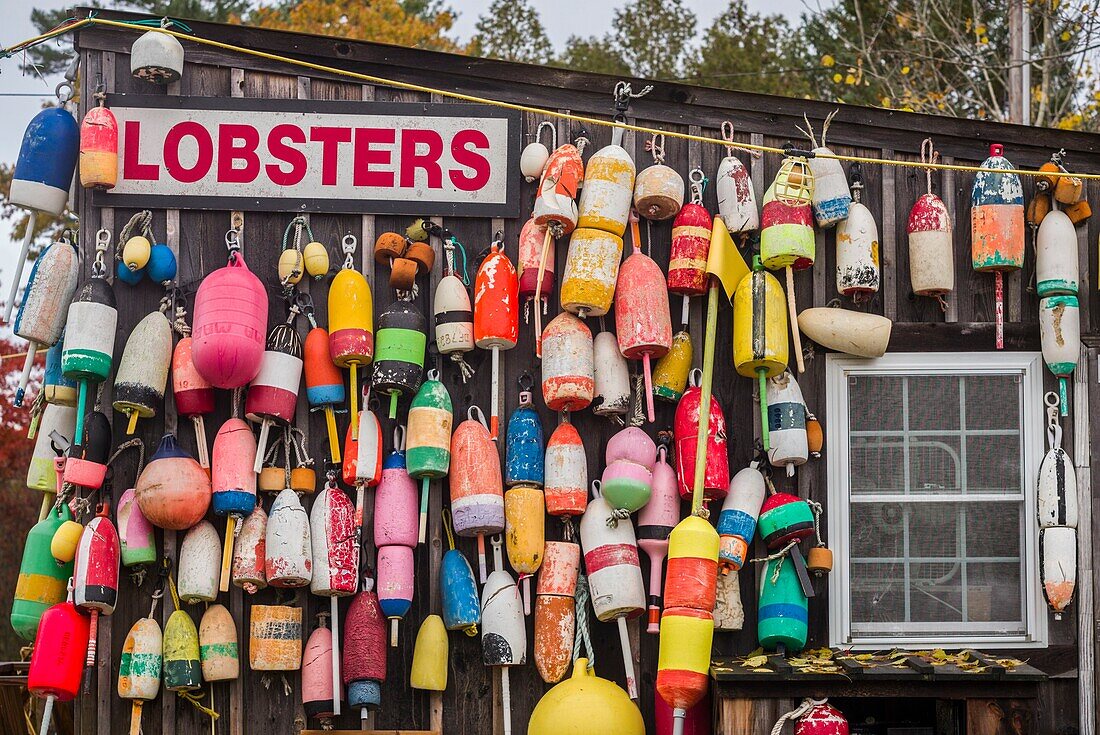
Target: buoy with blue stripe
[
  {"x": 428, "y": 442},
  {"x": 614, "y": 573},
  {"x": 1060, "y": 336},
  {"x": 787, "y": 423},
  {"x": 275, "y": 638},
  {"x": 58, "y": 389},
  {"x": 140, "y": 667},
  {"x": 233, "y": 483},
  {"x": 43, "y": 174},
  {"x": 461, "y": 605},
  {"x": 395, "y": 534},
  {"x": 687, "y": 623},
  {"x": 324, "y": 384},
  {"x": 477, "y": 492},
  {"x": 364, "y": 656},
  {"x": 783, "y": 611},
  {"x": 496, "y": 316},
  {"x": 685, "y": 437},
  {"x": 41, "y": 316},
  {"x": 89, "y": 339},
  {"x": 399, "y": 355},
  {"x": 760, "y": 333},
  {"x": 831, "y": 198},
  {"x": 997, "y": 225},
  {"x": 737, "y": 521},
  {"x": 42, "y": 580},
  {"x": 503, "y": 633},
  {"x": 656, "y": 520}
]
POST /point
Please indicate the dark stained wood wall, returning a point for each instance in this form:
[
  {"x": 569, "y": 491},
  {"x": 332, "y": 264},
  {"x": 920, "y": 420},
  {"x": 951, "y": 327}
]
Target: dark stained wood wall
[{"x": 248, "y": 705}]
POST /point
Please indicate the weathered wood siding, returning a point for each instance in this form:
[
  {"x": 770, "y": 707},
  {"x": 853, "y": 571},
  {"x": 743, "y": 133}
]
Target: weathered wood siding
[{"x": 247, "y": 705}]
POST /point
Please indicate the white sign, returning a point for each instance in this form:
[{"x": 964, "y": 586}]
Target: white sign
[{"x": 248, "y": 153}]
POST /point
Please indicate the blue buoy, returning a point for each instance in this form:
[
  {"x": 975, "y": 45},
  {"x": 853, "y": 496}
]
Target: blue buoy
[
  {"x": 461, "y": 603},
  {"x": 162, "y": 264},
  {"x": 525, "y": 449},
  {"x": 127, "y": 276},
  {"x": 47, "y": 161}
]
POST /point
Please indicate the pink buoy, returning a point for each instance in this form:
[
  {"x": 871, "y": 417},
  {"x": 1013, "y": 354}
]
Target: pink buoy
[{"x": 230, "y": 325}]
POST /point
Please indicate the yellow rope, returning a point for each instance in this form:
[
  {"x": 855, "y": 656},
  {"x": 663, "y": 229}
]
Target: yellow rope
[{"x": 524, "y": 108}]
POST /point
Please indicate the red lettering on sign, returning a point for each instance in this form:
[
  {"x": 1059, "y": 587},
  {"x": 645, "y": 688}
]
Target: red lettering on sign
[
  {"x": 229, "y": 152},
  {"x": 204, "y": 159},
  {"x": 477, "y": 163},
  {"x": 411, "y": 159},
  {"x": 365, "y": 156},
  {"x": 330, "y": 139},
  {"x": 132, "y": 168},
  {"x": 286, "y": 154}
]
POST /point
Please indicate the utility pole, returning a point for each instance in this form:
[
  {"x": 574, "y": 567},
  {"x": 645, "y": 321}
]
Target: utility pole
[{"x": 1019, "y": 76}]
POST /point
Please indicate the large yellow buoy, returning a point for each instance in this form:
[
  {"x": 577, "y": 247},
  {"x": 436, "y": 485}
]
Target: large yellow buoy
[{"x": 584, "y": 704}]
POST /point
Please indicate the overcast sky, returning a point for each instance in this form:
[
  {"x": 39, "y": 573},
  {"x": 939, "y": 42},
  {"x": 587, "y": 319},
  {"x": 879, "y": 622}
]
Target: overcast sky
[{"x": 568, "y": 17}]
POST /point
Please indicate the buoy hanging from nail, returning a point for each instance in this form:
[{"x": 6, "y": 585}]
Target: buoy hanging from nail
[
  {"x": 733, "y": 186},
  {"x": 157, "y": 57},
  {"x": 218, "y": 650},
  {"x": 533, "y": 158},
  {"x": 350, "y": 324},
  {"x": 496, "y": 315},
  {"x": 173, "y": 491},
  {"x": 233, "y": 483},
  {"x": 99, "y": 145},
  {"x": 90, "y": 334},
  {"x": 997, "y": 226},
  {"x": 273, "y": 393},
  {"x": 324, "y": 384},
  {"x": 737, "y": 521},
  {"x": 687, "y": 260},
  {"x": 193, "y": 393},
  {"x": 568, "y": 369},
  {"x": 142, "y": 375},
  {"x": 760, "y": 334},
  {"x": 857, "y": 257},
  {"x": 395, "y": 535},
  {"x": 461, "y": 604},
  {"x": 555, "y": 617},
  {"x": 477, "y": 494},
  {"x": 566, "y": 488},
  {"x": 831, "y": 198},
  {"x": 199, "y": 564},
  {"x": 627, "y": 480},
  {"x": 428, "y": 443},
  {"x": 140, "y": 667},
  {"x": 658, "y": 189},
  {"x": 503, "y": 632},
  {"x": 288, "y": 546},
  {"x": 95, "y": 577},
  {"x": 250, "y": 553},
  {"x": 787, "y": 423},
  {"x": 930, "y": 239},
  {"x": 399, "y": 358},
  {"x": 612, "y": 394}
]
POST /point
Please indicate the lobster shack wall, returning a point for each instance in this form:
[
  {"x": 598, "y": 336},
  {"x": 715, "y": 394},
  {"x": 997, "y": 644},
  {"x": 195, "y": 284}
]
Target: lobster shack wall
[{"x": 471, "y": 703}]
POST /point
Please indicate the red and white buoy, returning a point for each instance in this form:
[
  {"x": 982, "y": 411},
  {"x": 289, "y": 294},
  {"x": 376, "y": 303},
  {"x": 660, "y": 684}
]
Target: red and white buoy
[{"x": 95, "y": 577}]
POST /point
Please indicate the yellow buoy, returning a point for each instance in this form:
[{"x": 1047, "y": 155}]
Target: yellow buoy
[
  {"x": 760, "y": 333},
  {"x": 430, "y": 657},
  {"x": 583, "y": 704},
  {"x": 65, "y": 539},
  {"x": 670, "y": 376},
  {"x": 291, "y": 266},
  {"x": 135, "y": 253}
]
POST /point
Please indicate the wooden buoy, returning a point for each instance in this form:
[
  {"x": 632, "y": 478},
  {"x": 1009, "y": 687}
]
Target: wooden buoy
[
  {"x": 608, "y": 189},
  {"x": 351, "y": 324},
  {"x": 930, "y": 239},
  {"x": 41, "y": 316},
  {"x": 555, "y": 620},
  {"x": 566, "y": 488},
  {"x": 733, "y": 186},
  {"x": 477, "y": 493},
  {"x": 568, "y": 367},
  {"x": 95, "y": 575},
  {"x": 531, "y": 239},
  {"x": 1058, "y": 566},
  {"x": 687, "y": 264},
  {"x": 99, "y": 146},
  {"x": 655, "y": 522},
  {"x": 787, "y": 423},
  {"x": 533, "y": 158},
  {"x": 787, "y": 242},
  {"x": 324, "y": 384},
  {"x": 627, "y": 480},
  {"x": 1056, "y": 267},
  {"x": 199, "y": 564},
  {"x": 395, "y": 535},
  {"x": 399, "y": 357},
  {"x": 428, "y": 442},
  {"x": 857, "y": 257},
  {"x": 831, "y": 197},
  {"x": 461, "y": 605},
  {"x": 193, "y": 393},
  {"x": 614, "y": 573},
  {"x": 454, "y": 321},
  {"x": 685, "y": 434},
  {"x": 687, "y": 624},
  {"x": 855, "y": 333},
  {"x": 524, "y": 534},
  {"x": 140, "y": 667},
  {"x": 250, "y": 553},
  {"x": 233, "y": 483},
  {"x": 321, "y": 693},
  {"x": 997, "y": 225},
  {"x": 229, "y": 323},
  {"x": 218, "y": 650},
  {"x": 273, "y": 394},
  {"x": 496, "y": 316},
  {"x": 737, "y": 521},
  {"x": 396, "y": 584},
  {"x": 783, "y": 612},
  {"x": 56, "y": 388},
  {"x": 182, "y": 659},
  {"x": 1056, "y": 487},
  {"x": 275, "y": 638},
  {"x": 643, "y": 325},
  {"x": 172, "y": 491},
  {"x": 288, "y": 548},
  {"x": 612, "y": 378},
  {"x": 364, "y": 655},
  {"x": 658, "y": 189},
  {"x": 363, "y": 458},
  {"x": 86, "y": 465},
  {"x": 591, "y": 270},
  {"x": 42, "y": 580},
  {"x": 759, "y": 333},
  {"x": 89, "y": 341},
  {"x": 42, "y": 471},
  {"x": 503, "y": 633},
  {"x": 1060, "y": 336}
]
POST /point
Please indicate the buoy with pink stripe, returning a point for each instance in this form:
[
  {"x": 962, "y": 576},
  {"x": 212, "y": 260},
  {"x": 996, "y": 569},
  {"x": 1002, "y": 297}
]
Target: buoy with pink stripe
[
  {"x": 627, "y": 480},
  {"x": 273, "y": 393},
  {"x": 656, "y": 520},
  {"x": 614, "y": 573},
  {"x": 334, "y": 539},
  {"x": 95, "y": 577},
  {"x": 477, "y": 488}
]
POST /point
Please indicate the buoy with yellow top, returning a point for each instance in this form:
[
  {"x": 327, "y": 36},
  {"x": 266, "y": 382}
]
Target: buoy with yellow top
[
  {"x": 42, "y": 580},
  {"x": 760, "y": 333},
  {"x": 687, "y": 623},
  {"x": 324, "y": 384},
  {"x": 584, "y": 704},
  {"x": 787, "y": 230},
  {"x": 182, "y": 662},
  {"x": 496, "y": 315},
  {"x": 997, "y": 226},
  {"x": 351, "y": 324}
]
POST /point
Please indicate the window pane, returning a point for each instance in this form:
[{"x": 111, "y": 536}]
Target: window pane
[
  {"x": 875, "y": 403},
  {"x": 875, "y": 465},
  {"x": 992, "y": 401},
  {"x": 933, "y": 402},
  {"x": 993, "y": 464},
  {"x": 878, "y": 594},
  {"x": 935, "y": 465}
]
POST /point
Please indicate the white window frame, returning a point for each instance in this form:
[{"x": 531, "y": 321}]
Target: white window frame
[{"x": 838, "y": 368}]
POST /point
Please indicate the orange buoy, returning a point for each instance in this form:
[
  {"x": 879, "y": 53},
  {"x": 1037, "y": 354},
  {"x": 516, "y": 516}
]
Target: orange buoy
[{"x": 496, "y": 315}]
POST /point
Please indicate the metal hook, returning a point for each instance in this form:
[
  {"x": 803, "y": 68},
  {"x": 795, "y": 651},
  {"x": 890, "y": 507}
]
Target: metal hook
[{"x": 348, "y": 245}]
